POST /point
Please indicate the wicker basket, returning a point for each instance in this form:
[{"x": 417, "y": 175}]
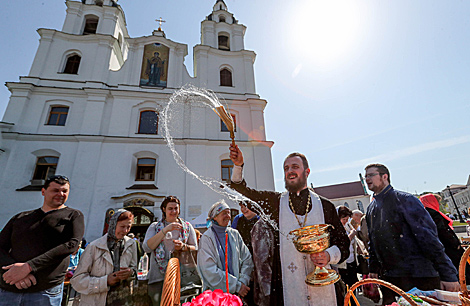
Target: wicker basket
[
  {"x": 464, "y": 294},
  {"x": 380, "y": 282},
  {"x": 171, "y": 284}
]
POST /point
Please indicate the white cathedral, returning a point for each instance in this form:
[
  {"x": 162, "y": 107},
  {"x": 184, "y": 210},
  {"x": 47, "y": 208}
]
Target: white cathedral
[{"x": 90, "y": 107}]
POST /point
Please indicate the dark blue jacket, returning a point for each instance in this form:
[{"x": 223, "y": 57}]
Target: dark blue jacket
[{"x": 404, "y": 240}]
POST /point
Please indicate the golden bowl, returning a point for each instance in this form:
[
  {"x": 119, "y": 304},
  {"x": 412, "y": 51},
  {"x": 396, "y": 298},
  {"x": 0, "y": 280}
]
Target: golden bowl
[{"x": 311, "y": 239}]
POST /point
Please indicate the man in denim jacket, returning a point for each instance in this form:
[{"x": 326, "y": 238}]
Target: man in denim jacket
[{"x": 404, "y": 247}]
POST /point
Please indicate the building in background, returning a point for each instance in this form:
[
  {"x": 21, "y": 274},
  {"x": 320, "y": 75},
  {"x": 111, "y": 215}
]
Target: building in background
[
  {"x": 352, "y": 195},
  {"x": 90, "y": 109},
  {"x": 461, "y": 195}
]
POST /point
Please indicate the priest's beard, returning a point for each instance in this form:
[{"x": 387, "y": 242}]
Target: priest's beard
[{"x": 297, "y": 186}]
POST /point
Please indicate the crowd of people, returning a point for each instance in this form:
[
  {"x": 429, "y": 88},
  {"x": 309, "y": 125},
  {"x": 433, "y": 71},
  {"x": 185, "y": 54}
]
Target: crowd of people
[{"x": 408, "y": 242}]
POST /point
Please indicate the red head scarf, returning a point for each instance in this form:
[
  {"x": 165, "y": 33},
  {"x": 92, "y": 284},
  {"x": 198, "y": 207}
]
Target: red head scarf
[{"x": 430, "y": 201}]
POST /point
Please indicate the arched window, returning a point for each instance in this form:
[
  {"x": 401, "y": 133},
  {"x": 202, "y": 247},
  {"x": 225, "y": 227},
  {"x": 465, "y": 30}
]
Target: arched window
[
  {"x": 346, "y": 204},
  {"x": 224, "y": 42},
  {"x": 145, "y": 169},
  {"x": 221, "y": 18},
  {"x": 58, "y": 115},
  {"x": 91, "y": 24},
  {"x": 226, "y": 169},
  {"x": 360, "y": 206},
  {"x": 225, "y": 77},
  {"x": 45, "y": 167},
  {"x": 148, "y": 123},
  {"x": 120, "y": 41},
  {"x": 72, "y": 64}
]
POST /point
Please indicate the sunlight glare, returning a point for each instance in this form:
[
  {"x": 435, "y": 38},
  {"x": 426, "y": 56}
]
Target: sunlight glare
[{"x": 325, "y": 30}]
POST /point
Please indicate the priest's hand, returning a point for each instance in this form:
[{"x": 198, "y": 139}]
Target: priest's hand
[
  {"x": 320, "y": 259},
  {"x": 236, "y": 155},
  {"x": 450, "y": 286}
]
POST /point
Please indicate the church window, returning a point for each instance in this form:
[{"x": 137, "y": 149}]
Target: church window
[
  {"x": 91, "y": 24},
  {"x": 145, "y": 169},
  {"x": 226, "y": 168},
  {"x": 224, "y": 42},
  {"x": 45, "y": 167},
  {"x": 148, "y": 123},
  {"x": 225, "y": 77},
  {"x": 120, "y": 41},
  {"x": 346, "y": 204},
  {"x": 58, "y": 115},
  {"x": 221, "y": 18},
  {"x": 72, "y": 64},
  {"x": 233, "y": 213},
  {"x": 223, "y": 127},
  {"x": 360, "y": 206}
]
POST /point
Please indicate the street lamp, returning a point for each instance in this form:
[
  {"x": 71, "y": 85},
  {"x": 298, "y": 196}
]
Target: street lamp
[{"x": 456, "y": 208}]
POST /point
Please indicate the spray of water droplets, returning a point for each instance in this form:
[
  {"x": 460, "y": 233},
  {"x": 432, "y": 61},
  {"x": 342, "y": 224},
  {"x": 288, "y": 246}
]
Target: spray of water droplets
[{"x": 199, "y": 97}]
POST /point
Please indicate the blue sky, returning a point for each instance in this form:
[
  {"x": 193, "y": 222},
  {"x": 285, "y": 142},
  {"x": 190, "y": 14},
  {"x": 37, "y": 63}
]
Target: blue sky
[{"x": 347, "y": 82}]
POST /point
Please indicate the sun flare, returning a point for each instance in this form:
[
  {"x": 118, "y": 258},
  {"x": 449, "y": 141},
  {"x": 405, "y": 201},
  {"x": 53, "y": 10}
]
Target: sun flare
[{"x": 324, "y": 30}]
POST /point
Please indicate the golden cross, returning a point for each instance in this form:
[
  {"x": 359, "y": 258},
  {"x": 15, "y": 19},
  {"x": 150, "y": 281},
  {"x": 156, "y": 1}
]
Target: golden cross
[{"x": 160, "y": 20}]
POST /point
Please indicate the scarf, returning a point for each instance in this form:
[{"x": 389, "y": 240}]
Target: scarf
[
  {"x": 430, "y": 201},
  {"x": 216, "y": 208},
  {"x": 115, "y": 246},
  {"x": 160, "y": 258},
  {"x": 219, "y": 232}
]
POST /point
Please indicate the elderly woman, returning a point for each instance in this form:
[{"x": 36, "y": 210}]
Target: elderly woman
[
  {"x": 162, "y": 238},
  {"x": 106, "y": 261},
  {"x": 212, "y": 255}
]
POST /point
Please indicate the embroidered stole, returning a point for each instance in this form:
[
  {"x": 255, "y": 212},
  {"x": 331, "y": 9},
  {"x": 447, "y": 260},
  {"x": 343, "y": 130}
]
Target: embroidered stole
[{"x": 295, "y": 265}]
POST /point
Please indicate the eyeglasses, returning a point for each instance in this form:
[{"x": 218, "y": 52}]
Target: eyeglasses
[
  {"x": 57, "y": 177},
  {"x": 371, "y": 175}
]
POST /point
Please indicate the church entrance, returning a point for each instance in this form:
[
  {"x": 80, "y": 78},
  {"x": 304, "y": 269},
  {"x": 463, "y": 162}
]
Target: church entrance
[{"x": 142, "y": 220}]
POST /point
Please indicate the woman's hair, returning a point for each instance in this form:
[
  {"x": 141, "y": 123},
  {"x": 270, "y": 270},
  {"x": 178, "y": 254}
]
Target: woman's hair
[
  {"x": 343, "y": 211},
  {"x": 127, "y": 215},
  {"x": 167, "y": 200}
]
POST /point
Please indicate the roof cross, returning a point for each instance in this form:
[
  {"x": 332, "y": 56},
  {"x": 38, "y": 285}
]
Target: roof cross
[{"x": 160, "y": 20}]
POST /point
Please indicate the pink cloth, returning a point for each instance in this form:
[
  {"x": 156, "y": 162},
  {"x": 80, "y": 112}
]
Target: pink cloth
[{"x": 430, "y": 201}]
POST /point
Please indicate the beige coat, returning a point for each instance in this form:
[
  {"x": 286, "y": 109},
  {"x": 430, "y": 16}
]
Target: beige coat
[{"x": 91, "y": 276}]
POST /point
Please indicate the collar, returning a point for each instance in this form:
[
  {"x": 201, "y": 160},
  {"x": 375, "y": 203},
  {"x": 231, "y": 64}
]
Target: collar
[
  {"x": 303, "y": 193},
  {"x": 383, "y": 193}
]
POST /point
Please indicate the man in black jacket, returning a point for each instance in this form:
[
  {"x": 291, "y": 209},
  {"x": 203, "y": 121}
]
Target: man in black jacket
[
  {"x": 35, "y": 247},
  {"x": 404, "y": 246},
  {"x": 291, "y": 210}
]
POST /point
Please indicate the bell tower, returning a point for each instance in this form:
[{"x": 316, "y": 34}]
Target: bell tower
[{"x": 221, "y": 62}]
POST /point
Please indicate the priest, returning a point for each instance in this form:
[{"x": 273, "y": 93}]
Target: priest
[{"x": 299, "y": 206}]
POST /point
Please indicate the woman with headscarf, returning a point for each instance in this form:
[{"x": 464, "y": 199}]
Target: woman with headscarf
[
  {"x": 212, "y": 255},
  {"x": 162, "y": 238},
  {"x": 445, "y": 231},
  {"x": 106, "y": 261}
]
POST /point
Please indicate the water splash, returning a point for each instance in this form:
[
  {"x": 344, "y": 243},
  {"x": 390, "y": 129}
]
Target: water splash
[{"x": 199, "y": 97}]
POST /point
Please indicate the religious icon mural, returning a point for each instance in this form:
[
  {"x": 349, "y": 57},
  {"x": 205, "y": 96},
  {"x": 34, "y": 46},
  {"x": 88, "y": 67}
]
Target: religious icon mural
[{"x": 154, "y": 65}]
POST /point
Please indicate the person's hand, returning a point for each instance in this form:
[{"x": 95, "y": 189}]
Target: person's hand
[
  {"x": 320, "y": 259},
  {"x": 178, "y": 244},
  {"x": 243, "y": 290},
  {"x": 26, "y": 282},
  {"x": 450, "y": 286},
  {"x": 124, "y": 273},
  {"x": 16, "y": 272},
  {"x": 236, "y": 155},
  {"x": 112, "y": 279},
  {"x": 374, "y": 275},
  {"x": 171, "y": 227}
]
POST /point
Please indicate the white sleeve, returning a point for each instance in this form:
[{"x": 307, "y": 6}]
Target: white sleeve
[
  {"x": 335, "y": 254},
  {"x": 237, "y": 174}
]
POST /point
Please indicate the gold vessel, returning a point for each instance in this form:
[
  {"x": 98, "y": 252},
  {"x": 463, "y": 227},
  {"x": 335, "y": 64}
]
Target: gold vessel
[{"x": 315, "y": 239}]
